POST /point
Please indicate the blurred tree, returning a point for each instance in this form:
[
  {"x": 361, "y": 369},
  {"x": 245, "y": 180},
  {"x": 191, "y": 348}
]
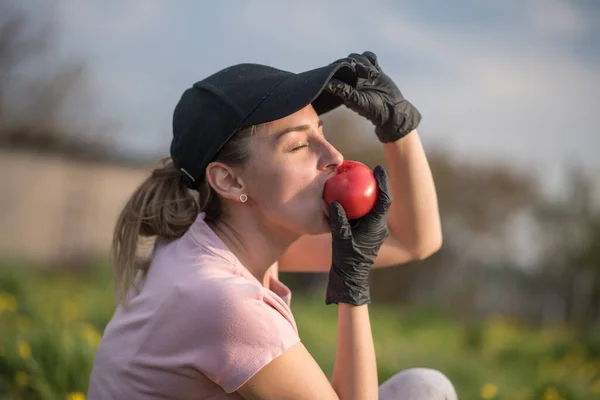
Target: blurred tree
[
  {"x": 572, "y": 249},
  {"x": 478, "y": 204},
  {"x": 40, "y": 93},
  {"x": 587, "y": 258}
]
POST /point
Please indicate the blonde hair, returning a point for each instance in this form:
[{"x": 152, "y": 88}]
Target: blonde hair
[{"x": 163, "y": 207}]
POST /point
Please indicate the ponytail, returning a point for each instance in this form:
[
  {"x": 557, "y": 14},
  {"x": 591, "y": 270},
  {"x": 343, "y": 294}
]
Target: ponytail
[{"x": 162, "y": 206}]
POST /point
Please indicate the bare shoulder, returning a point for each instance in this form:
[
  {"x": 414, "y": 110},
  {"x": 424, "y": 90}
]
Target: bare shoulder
[{"x": 293, "y": 375}]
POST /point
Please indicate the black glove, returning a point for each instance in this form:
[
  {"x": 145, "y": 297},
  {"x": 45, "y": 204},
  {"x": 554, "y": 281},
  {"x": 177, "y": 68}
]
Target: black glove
[
  {"x": 355, "y": 247},
  {"x": 377, "y": 98}
]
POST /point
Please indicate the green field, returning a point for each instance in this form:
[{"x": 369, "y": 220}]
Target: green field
[{"x": 50, "y": 325}]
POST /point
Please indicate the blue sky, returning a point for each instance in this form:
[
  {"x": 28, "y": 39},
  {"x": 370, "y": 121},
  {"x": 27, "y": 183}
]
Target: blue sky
[{"x": 510, "y": 80}]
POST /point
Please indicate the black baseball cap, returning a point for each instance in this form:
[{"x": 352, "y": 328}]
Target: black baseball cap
[{"x": 215, "y": 108}]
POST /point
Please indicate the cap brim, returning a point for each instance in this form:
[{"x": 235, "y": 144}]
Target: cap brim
[{"x": 300, "y": 90}]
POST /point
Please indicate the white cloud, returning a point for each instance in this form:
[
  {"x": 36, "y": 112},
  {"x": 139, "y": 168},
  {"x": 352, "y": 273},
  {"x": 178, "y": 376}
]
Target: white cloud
[{"x": 558, "y": 17}]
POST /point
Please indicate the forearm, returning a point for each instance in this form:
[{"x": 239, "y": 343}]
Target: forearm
[
  {"x": 355, "y": 368},
  {"x": 413, "y": 218}
]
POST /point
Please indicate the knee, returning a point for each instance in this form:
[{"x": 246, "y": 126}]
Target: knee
[{"x": 419, "y": 383}]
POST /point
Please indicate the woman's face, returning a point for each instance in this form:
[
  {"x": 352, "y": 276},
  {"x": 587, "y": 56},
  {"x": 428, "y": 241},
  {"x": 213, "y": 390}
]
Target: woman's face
[{"x": 289, "y": 164}]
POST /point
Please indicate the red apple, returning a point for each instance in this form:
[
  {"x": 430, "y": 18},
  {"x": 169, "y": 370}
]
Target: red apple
[{"x": 354, "y": 187}]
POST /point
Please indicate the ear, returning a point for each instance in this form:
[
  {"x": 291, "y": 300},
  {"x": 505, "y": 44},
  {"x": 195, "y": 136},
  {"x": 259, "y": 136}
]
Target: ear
[{"x": 224, "y": 180}]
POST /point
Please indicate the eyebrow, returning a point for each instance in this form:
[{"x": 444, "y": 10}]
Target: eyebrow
[{"x": 304, "y": 127}]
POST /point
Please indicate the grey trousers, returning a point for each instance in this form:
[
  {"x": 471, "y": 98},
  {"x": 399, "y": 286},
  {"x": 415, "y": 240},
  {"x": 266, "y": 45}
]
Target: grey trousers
[{"x": 418, "y": 384}]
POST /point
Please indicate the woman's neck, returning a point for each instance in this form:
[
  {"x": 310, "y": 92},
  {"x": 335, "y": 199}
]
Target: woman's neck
[{"x": 255, "y": 246}]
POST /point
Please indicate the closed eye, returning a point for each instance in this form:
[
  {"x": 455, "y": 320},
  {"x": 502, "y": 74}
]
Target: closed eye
[{"x": 299, "y": 147}]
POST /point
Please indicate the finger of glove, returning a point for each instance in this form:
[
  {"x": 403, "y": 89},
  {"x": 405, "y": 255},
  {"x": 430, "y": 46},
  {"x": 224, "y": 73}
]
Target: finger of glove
[
  {"x": 350, "y": 95},
  {"x": 372, "y": 58},
  {"x": 364, "y": 67},
  {"x": 339, "y": 88},
  {"x": 338, "y": 222},
  {"x": 384, "y": 199},
  {"x": 376, "y": 220}
]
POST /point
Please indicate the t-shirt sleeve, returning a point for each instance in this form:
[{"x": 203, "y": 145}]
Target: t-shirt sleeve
[{"x": 230, "y": 332}]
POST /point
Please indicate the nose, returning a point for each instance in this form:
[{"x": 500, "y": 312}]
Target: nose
[{"x": 331, "y": 157}]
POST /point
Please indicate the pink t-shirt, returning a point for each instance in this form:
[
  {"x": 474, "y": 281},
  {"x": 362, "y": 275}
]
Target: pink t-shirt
[{"x": 201, "y": 326}]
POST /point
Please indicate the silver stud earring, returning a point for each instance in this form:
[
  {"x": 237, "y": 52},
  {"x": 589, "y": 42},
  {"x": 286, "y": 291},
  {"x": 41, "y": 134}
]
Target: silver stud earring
[{"x": 243, "y": 197}]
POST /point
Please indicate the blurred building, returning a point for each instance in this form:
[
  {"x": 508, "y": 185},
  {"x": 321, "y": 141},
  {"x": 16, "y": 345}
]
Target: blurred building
[{"x": 56, "y": 209}]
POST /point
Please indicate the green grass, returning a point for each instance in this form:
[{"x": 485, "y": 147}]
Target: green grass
[{"x": 52, "y": 323}]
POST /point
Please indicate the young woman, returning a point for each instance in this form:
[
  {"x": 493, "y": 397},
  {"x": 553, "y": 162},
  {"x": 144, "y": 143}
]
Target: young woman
[{"x": 241, "y": 198}]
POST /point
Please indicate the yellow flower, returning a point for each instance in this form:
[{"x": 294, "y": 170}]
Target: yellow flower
[
  {"x": 24, "y": 350},
  {"x": 22, "y": 378},
  {"x": 76, "y": 396},
  {"x": 489, "y": 391},
  {"x": 8, "y": 302},
  {"x": 91, "y": 335}
]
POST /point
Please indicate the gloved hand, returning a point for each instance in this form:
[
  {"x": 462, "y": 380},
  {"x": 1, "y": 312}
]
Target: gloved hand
[
  {"x": 355, "y": 247},
  {"x": 377, "y": 98}
]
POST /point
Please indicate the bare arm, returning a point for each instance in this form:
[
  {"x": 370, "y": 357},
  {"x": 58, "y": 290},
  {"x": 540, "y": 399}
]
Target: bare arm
[
  {"x": 413, "y": 218},
  {"x": 296, "y": 375},
  {"x": 355, "y": 368},
  {"x": 293, "y": 375}
]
